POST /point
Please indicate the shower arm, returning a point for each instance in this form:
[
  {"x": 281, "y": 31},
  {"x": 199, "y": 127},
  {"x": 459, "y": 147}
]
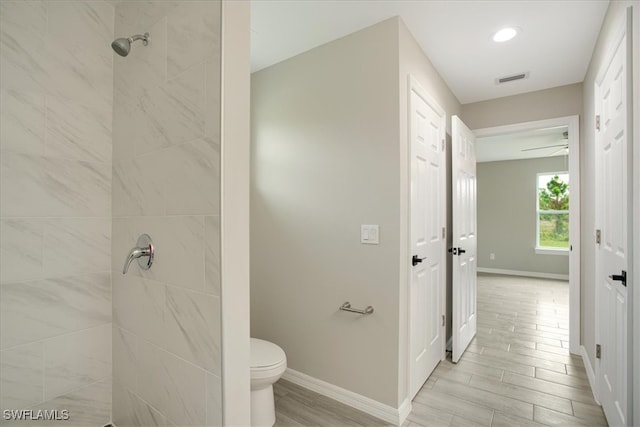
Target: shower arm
[{"x": 144, "y": 37}]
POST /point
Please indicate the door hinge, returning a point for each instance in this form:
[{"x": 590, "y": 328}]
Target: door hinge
[
  {"x": 598, "y": 237},
  {"x": 598, "y": 122},
  {"x": 444, "y": 232},
  {"x": 598, "y": 351},
  {"x": 443, "y": 145},
  {"x": 443, "y": 320}
]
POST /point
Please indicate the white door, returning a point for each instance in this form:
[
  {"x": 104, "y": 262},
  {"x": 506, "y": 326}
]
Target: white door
[
  {"x": 464, "y": 244},
  {"x": 427, "y": 133},
  {"x": 613, "y": 177}
]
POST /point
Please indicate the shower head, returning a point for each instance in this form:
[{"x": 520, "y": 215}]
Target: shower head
[{"x": 123, "y": 46}]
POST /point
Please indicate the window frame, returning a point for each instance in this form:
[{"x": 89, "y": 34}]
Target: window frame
[{"x": 549, "y": 250}]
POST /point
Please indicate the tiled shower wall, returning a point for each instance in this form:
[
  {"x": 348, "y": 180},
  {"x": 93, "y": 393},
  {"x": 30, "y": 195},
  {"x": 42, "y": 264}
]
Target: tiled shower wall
[
  {"x": 56, "y": 84},
  {"x": 166, "y": 180}
]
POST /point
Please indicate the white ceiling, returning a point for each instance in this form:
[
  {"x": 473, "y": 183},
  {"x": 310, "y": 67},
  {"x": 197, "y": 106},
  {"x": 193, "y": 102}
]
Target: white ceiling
[
  {"x": 547, "y": 143},
  {"x": 554, "y": 46}
]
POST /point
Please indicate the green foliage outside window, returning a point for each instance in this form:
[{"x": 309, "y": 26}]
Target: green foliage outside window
[{"x": 553, "y": 207}]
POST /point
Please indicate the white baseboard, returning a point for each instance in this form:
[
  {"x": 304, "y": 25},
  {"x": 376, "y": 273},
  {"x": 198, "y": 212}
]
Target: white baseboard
[
  {"x": 524, "y": 273},
  {"x": 396, "y": 416},
  {"x": 404, "y": 410},
  {"x": 591, "y": 374}
]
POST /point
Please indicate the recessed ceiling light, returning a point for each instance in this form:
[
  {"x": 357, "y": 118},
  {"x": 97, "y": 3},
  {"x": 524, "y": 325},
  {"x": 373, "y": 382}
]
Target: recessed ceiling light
[{"x": 505, "y": 34}]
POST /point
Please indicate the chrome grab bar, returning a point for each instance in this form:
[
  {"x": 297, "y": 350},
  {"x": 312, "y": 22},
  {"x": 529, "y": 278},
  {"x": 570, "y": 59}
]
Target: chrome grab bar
[{"x": 347, "y": 307}]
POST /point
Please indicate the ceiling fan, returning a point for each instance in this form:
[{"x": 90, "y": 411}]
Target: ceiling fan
[{"x": 564, "y": 147}]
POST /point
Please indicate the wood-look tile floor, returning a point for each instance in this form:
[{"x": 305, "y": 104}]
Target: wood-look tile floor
[{"x": 516, "y": 372}]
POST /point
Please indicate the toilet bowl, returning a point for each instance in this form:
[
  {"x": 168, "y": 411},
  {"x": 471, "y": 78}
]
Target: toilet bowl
[{"x": 268, "y": 363}]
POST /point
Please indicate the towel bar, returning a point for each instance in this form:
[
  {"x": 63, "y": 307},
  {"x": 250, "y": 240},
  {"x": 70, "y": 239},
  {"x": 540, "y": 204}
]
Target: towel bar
[{"x": 347, "y": 307}]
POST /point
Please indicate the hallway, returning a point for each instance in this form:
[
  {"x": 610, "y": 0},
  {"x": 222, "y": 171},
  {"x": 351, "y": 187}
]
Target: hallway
[{"x": 516, "y": 372}]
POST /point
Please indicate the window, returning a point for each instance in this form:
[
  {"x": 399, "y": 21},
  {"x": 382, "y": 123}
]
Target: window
[{"x": 553, "y": 213}]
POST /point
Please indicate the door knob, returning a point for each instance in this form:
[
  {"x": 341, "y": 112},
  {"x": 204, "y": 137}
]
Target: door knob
[
  {"x": 144, "y": 249},
  {"x": 620, "y": 277},
  {"x": 456, "y": 251},
  {"x": 415, "y": 260}
]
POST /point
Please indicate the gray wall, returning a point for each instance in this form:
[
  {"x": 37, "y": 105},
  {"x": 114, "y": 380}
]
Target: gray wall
[
  {"x": 55, "y": 207},
  {"x": 166, "y": 182},
  {"x": 544, "y": 104},
  {"x": 507, "y": 216},
  {"x": 329, "y": 152},
  {"x": 325, "y": 160}
]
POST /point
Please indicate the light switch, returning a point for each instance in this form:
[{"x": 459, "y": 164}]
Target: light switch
[{"x": 369, "y": 234}]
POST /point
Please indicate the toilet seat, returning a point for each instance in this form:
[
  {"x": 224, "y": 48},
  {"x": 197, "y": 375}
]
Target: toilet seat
[{"x": 266, "y": 355}]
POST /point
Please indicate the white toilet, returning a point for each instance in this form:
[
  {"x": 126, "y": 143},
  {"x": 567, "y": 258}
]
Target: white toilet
[{"x": 268, "y": 363}]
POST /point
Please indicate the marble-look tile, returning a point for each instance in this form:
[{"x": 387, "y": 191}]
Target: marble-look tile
[
  {"x": 172, "y": 113},
  {"x": 92, "y": 19},
  {"x": 212, "y": 254},
  {"x": 75, "y": 360},
  {"x": 23, "y": 59},
  {"x": 53, "y": 187},
  {"x": 193, "y": 35},
  {"x": 29, "y": 16},
  {"x": 175, "y": 239},
  {"x": 88, "y": 406},
  {"x": 213, "y": 82},
  {"x": 27, "y": 198},
  {"x": 22, "y": 114},
  {"x": 147, "y": 68},
  {"x": 81, "y": 73},
  {"x": 139, "y": 307},
  {"x": 173, "y": 386},
  {"x": 125, "y": 124},
  {"x": 21, "y": 383},
  {"x": 21, "y": 243},
  {"x": 134, "y": 17},
  {"x": 76, "y": 245},
  {"x": 214, "y": 400},
  {"x": 32, "y": 311},
  {"x": 138, "y": 185},
  {"x": 192, "y": 327},
  {"x": 125, "y": 358},
  {"x": 193, "y": 184},
  {"x": 78, "y": 131},
  {"x": 129, "y": 410}
]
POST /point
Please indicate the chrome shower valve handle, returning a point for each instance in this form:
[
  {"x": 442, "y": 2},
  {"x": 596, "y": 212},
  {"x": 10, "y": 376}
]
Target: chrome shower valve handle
[{"x": 143, "y": 253}]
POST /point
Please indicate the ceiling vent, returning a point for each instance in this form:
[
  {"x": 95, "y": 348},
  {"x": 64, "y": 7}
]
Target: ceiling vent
[{"x": 512, "y": 78}]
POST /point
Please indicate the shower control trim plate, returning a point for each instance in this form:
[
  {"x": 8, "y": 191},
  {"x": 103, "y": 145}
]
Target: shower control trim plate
[{"x": 143, "y": 252}]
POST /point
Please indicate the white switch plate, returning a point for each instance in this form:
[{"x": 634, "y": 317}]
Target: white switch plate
[
  {"x": 492, "y": 256},
  {"x": 369, "y": 234}
]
